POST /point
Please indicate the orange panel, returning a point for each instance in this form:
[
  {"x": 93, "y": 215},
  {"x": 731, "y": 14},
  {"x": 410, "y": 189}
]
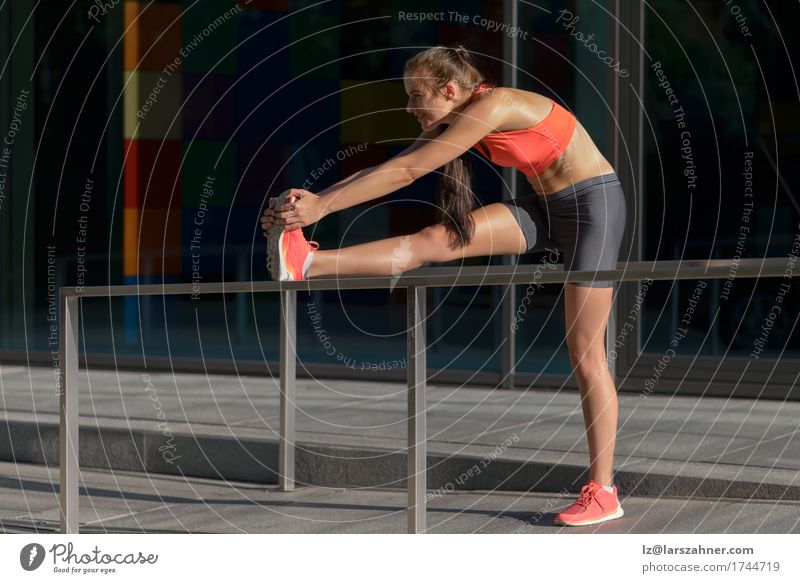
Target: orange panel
[
  {"x": 153, "y": 35},
  {"x": 130, "y": 241},
  {"x": 160, "y": 241}
]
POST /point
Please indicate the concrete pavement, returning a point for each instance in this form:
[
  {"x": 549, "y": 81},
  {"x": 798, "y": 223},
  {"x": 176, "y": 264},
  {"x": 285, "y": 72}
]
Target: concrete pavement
[{"x": 525, "y": 445}]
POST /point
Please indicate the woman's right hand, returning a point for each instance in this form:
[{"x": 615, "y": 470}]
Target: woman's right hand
[
  {"x": 269, "y": 213},
  {"x": 268, "y": 218},
  {"x": 302, "y": 208}
]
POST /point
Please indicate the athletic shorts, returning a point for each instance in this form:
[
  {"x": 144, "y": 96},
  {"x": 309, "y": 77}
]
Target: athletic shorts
[{"x": 586, "y": 221}]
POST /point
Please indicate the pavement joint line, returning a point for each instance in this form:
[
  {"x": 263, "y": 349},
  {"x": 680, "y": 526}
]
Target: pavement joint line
[
  {"x": 130, "y": 514},
  {"x": 521, "y": 424},
  {"x": 760, "y": 442}
]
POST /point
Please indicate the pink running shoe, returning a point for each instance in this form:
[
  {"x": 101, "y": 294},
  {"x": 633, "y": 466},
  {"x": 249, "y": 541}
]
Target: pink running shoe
[
  {"x": 594, "y": 505},
  {"x": 288, "y": 253}
]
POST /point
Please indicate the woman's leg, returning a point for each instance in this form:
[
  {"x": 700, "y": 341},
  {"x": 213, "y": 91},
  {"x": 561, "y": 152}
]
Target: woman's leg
[
  {"x": 587, "y": 310},
  {"x": 496, "y": 233}
]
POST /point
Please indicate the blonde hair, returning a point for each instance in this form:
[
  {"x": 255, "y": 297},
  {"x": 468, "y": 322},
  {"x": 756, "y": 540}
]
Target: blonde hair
[
  {"x": 433, "y": 68},
  {"x": 438, "y": 65}
]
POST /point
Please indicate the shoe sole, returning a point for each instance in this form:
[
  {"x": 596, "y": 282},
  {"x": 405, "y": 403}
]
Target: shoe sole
[
  {"x": 276, "y": 254},
  {"x": 618, "y": 514}
]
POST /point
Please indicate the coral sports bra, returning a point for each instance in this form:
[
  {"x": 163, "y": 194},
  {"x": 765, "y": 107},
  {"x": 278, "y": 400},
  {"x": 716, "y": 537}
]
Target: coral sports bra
[{"x": 530, "y": 150}]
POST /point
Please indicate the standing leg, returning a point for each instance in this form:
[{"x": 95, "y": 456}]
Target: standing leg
[{"x": 586, "y": 315}]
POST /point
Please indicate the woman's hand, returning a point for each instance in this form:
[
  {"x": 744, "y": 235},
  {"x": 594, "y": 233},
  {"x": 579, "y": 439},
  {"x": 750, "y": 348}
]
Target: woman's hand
[{"x": 302, "y": 208}]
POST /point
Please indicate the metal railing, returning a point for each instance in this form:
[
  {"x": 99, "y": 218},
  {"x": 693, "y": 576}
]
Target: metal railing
[{"x": 416, "y": 282}]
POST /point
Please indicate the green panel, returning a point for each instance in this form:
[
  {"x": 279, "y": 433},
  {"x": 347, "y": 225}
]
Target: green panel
[
  {"x": 320, "y": 49},
  {"x": 209, "y": 32},
  {"x": 200, "y": 157}
]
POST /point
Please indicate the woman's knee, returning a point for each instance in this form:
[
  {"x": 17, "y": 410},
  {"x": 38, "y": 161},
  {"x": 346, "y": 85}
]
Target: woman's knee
[
  {"x": 432, "y": 244},
  {"x": 587, "y": 358}
]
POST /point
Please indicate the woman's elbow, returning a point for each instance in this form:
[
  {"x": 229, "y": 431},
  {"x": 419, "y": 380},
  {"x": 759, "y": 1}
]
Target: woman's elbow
[{"x": 413, "y": 174}]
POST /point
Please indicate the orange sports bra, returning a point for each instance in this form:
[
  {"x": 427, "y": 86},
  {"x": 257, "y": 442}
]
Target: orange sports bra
[{"x": 530, "y": 150}]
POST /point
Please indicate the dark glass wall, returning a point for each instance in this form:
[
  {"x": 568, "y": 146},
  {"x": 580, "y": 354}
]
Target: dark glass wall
[
  {"x": 721, "y": 138},
  {"x": 108, "y": 184}
]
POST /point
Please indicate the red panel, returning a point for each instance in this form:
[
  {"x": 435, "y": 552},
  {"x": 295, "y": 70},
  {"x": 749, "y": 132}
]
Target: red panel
[
  {"x": 130, "y": 153},
  {"x": 160, "y": 242},
  {"x": 153, "y": 173}
]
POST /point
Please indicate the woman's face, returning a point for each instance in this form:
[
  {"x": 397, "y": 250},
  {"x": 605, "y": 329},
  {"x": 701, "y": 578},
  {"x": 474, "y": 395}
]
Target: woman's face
[{"x": 431, "y": 109}]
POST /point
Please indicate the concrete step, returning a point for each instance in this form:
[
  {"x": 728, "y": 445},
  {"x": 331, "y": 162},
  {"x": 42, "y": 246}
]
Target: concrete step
[{"x": 247, "y": 455}]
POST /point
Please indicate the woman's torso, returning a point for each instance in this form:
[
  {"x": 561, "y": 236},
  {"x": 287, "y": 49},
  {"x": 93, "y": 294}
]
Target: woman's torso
[{"x": 580, "y": 160}]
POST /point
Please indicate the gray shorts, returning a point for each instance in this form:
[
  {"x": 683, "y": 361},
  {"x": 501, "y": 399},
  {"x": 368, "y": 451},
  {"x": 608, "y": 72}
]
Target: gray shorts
[{"x": 586, "y": 221}]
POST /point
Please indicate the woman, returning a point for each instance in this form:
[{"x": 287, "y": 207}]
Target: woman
[{"x": 577, "y": 205}]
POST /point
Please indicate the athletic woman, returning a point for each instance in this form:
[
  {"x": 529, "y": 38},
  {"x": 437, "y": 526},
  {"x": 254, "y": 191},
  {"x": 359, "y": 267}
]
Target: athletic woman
[{"x": 577, "y": 205}]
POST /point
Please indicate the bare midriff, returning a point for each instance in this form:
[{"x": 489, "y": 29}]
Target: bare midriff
[{"x": 581, "y": 160}]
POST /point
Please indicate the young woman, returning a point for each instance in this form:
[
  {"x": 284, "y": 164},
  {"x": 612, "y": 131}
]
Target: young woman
[{"x": 577, "y": 205}]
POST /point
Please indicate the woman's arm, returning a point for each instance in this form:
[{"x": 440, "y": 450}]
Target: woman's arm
[
  {"x": 343, "y": 202},
  {"x": 474, "y": 123}
]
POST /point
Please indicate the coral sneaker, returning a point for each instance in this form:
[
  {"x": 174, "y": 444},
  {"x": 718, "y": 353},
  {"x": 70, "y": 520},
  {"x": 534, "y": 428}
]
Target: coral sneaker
[
  {"x": 288, "y": 253},
  {"x": 595, "y": 505},
  {"x": 293, "y": 257}
]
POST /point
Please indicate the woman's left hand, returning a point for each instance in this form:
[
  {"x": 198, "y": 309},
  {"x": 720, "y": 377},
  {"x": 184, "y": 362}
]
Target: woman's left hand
[{"x": 305, "y": 210}]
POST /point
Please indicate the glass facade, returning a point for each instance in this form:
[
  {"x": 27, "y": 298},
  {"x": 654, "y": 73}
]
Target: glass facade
[
  {"x": 147, "y": 137},
  {"x": 720, "y": 138}
]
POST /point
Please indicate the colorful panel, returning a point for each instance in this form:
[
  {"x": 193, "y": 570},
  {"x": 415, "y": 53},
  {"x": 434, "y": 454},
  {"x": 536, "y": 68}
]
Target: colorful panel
[
  {"x": 152, "y": 104},
  {"x": 373, "y": 111},
  {"x": 209, "y": 37},
  {"x": 208, "y": 173},
  {"x": 152, "y": 174},
  {"x": 209, "y": 107},
  {"x": 153, "y": 35}
]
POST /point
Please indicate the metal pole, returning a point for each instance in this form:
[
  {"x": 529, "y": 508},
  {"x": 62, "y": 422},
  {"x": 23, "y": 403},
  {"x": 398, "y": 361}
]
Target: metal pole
[
  {"x": 417, "y": 448},
  {"x": 241, "y": 299},
  {"x": 508, "y": 354},
  {"x": 68, "y": 416},
  {"x": 287, "y": 383}
]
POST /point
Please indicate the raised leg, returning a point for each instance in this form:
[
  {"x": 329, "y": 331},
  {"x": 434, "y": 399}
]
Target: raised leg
[
  {"x": 586, "y": 315},
  {"x": 496, "y": 233}
]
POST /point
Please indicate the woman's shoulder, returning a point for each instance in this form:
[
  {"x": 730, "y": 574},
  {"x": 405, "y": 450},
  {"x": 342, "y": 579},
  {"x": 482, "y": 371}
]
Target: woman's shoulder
[
  {"x": 509, "y": 95},
  {"x": 516, "y": 109}
]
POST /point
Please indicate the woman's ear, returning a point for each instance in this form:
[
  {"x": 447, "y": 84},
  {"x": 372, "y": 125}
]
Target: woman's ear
[{"x": 449, "y": 91}]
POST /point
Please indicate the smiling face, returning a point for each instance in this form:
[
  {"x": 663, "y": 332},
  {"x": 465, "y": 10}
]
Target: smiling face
[{"x": 433, "y": 108}]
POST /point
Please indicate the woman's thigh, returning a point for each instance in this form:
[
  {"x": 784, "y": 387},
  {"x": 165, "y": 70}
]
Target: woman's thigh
[
  {"x": 497, "y": 232},
  {"x": 589, "y": 227}
]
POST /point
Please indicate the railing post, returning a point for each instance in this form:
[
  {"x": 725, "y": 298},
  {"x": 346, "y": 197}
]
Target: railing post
[
  {"x": 509, "y": 350},
  {"x": 241, "y": 299},
  {"x": 416, "y": 371},
  {"x": 68, "y": 415},
  {"x": 508, "y": 355},
  {"x": 288, "y": 364}
]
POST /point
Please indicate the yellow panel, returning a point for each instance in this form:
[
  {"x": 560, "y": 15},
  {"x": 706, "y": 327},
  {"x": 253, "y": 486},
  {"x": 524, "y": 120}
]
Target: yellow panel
[
  {"x": 372, "y": 112},
  {"x": 152, "y": 101}
]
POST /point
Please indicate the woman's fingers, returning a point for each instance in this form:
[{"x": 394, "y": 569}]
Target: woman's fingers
[{"x": 285, "y": 215}]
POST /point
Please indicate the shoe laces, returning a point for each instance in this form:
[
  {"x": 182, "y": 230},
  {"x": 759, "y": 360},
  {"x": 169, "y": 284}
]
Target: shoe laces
[
  {"x": 588, "y": 493},
  {"x": 298, "y": 234}
]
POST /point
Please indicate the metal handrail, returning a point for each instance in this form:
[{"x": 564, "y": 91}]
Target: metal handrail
[{"x": 416, "y": 282}]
